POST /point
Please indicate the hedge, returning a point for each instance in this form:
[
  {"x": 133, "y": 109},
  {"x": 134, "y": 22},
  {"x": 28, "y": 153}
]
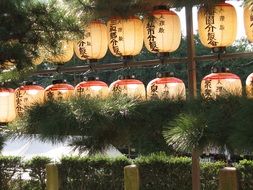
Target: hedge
[
  {"x": 12, "y": 167},
  {"x": 90, "y": 173},
  {"x": 157, "y": 171}
]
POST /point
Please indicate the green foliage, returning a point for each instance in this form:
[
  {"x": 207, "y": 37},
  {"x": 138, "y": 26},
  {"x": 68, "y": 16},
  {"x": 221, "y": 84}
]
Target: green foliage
[
  {"x": 36, "y": 167},
  {"x": 245, "y": 170},
  {"x": 11, "y": 169},
  {"x": 92, "y": 173},
  {"x": 52, "y": 121},
  {"x": 162, "y": 172},
  {"x": 9, "y": 166},
  {"x": 27, "y": 26},
  {"x": 209, "y": 175}
]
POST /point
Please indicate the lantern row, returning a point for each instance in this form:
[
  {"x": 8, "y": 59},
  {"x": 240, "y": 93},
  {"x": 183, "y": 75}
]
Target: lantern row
[
  {"x": 161, "y": 33},
  {"x": 220, "y": 83}
]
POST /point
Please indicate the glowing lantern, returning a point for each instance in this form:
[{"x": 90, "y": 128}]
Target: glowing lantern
[
  {"x": 217, "y": 28},
  {"x": 221, "y": 83},
  {"x": 128, "y": 86},
  {"x": 27, "y": 95},
  {"x": 7, "y": 105},
  {"x": 166, "y": 87},
  {"x": 65, "y": 53},
  {"x": 248, "y": 22},
  {"x": 59, "y": 90},
  {"x": 94, "y": 44},
  {"x": 92, "y": 88},
  {"x": 125, "y": 36},
  {"x": 163, "y": 33},
  {"x": 249, "y": 86}
]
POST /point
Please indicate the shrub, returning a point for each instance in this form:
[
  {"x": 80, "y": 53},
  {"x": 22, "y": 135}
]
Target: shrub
[
  {"x": 245, "y": 174},
  {"x": 92, "y": 173}
]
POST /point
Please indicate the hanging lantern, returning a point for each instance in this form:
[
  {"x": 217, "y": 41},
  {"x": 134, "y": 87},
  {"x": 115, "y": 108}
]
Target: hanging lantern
[
  {"x": 220, "y": 84},
  {"x": 59, "y": 90},
  {"x": 166, "y": 87},
  {"x": 248, "y": 21},
  {"x": 217, "y": 28},
  {"x": 94, "y": 44},
  {"x": 65, "y": 54},
  {"x": 92, "y": 87},
  {"x": 7, "y": 105},
  {"x": 163, "y": 32},
  {"x": 125, "y": 36},
  {"x": 40, "y": 56},
  {"x": 128, "y": 86},
  {"x": 249, "y": 86},
  {"x": 27, "y": 95}
]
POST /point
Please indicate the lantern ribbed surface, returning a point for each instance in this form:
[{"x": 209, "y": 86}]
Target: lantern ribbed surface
[
  {"x": 248, "y": 21},
  {"x": 220, "y": 85},
  {"x": 130, "y": 87},
  {"x": 125, "y": 36},
  {"x": 66, "y": 52},
  {"x": 162, "y": 33},
  {"x": 217, "y": 28},
  {"x": 166, "y": 88},
  {"x": 94, "y": 89},
  {"x": 28, "y": 95},
  {"x": 59, "y": 91},
  {"x": 94, "y": 44},
  {"x": 7, "y": 105}
]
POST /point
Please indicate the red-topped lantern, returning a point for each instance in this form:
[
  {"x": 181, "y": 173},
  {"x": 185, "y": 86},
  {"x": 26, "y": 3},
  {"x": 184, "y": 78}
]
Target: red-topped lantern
[
  {"x": 217, "y": 28},
  {"x": 125, "y": 36},
  {"x": 59, "y": 90},
  {"x": 128, "y": 86},
  {"x": 166, "y": 87},
  {"x": 248, "y": 21},
  {"x": 249, "y": 86},
  {"x": 92, "y": 87},
  {"x": 27, "y": 95},
  {"x": 162, "y": 34},
  {"x": 221, "y": 84},
  {"x": 94, "y": 44},
  {"x": 7, "y": 105}
]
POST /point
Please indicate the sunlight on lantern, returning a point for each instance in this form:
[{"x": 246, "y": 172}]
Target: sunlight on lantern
[
  {"x": 132, "y": 86},
  {"x": 4, "y": 93},
  {"x": 32, "y": 92},
  {"x": 96, "y": 88}
]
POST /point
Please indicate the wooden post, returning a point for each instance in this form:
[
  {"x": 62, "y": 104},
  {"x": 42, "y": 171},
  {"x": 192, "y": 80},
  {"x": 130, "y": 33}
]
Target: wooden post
[
  {"x": 191, "y": 66},
  {"x": 228, "y": 179},
  {"x": 131, "y": 177},
  {"x": 52, "y": 177}
]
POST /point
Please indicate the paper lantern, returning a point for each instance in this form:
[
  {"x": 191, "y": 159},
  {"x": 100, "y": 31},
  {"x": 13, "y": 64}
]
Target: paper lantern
[
  {"x": 221, "y": 84},
  {"x": 125, "y": 36},
  {"x": 7, "y": 105},
  {"x": 166, "y": 87},
  {"x": 217, "y": 28},
  {"x": 94, "y": 44},
  {"x": 129, "y": 87},
  {"x": 248, "y": 21},
  {"x": 92, "y": 88},
  {"x": 59, "y": 90},
  {"x": 65, "y": 52},
  {"x": 249, "y": 86},
  {"x": 27, "y": 95},
  {"x": 163, "y": 32}
]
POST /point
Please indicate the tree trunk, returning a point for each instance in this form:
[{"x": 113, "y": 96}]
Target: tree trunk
[{"x": 195, "y": 170}]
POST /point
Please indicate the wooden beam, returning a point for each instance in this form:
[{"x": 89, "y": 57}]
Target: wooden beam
[{"x": 145, "y": 63}]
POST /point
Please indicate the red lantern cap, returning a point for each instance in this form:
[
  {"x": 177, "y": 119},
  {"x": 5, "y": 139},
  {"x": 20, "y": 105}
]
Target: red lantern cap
[
  {"x": 10, "y": 90},
  {"x": 165, "y": 80},
  {"x": 127, "y": 81},
  {"x": 218, "y": 76},
  {"x": 56, "y": 87},
  {"x": 85, "y": 84}
]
